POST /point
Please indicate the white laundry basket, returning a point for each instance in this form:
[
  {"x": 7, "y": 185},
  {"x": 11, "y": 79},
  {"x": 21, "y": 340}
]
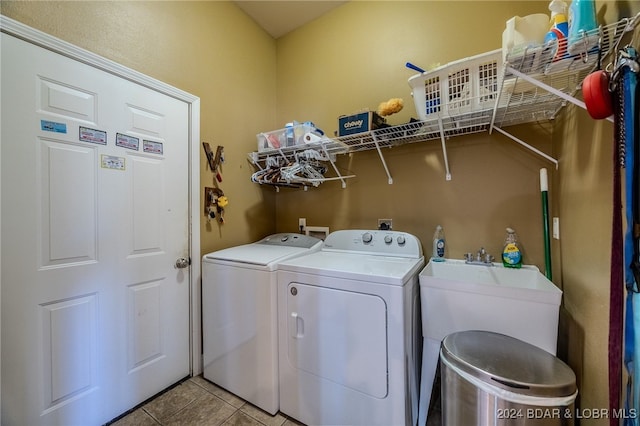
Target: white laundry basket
[{"x": 458, "y": 88}]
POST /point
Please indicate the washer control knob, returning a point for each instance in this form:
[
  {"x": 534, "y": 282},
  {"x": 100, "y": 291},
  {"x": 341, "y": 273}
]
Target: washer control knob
[
  {"x": 388, "y": 239},
  {"x": 367, "y": 237},
  {"x": 285, "y": 238},
  {"x": 401, "y": 240}
]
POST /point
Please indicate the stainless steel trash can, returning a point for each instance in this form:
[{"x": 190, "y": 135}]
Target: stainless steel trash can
[{"x": 489, "y": 379}]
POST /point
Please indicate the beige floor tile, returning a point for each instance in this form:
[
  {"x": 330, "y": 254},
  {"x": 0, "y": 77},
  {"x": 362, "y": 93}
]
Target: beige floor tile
[
  {"x": 174, "y": 400},
  {"x": 292, "y": 422},
  {"x": 241, "y": 419},
  {"x": 262, "y": 416},
  {"x": 198, "y": 402},
  {"x": 207, "y": 410},
  {"x": 136, "y": 418},
  {"x": 221, "y": 393}
]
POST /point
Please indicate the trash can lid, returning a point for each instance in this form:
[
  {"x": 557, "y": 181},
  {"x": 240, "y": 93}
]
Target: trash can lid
[{"x": 509, "y": 363}]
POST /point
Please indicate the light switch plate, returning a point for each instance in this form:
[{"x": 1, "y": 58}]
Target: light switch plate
[{"x": 556, "y": 228}]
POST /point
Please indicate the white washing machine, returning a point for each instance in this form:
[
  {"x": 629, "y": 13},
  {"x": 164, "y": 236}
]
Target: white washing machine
[
  {"x": 239, "y": 316},
  {"x": 349, "y": 330}
]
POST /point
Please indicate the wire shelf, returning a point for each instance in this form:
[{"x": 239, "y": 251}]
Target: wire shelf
[
  {"x": 534, "y": 81},
  {"x": 415, "y": 131},
  {"x": 533, "y": 86},
  {"x": 331, "y": 147}
]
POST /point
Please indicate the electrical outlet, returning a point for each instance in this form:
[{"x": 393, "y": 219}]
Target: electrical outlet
[
  {"x": 556, "y": 228},
  {"x": 385, "y": 224},
  {"x": 302, "y": 223}
]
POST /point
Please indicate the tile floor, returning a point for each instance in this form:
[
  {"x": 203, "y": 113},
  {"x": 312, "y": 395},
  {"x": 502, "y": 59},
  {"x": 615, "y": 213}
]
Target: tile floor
[{"x": 198, "y": 402}]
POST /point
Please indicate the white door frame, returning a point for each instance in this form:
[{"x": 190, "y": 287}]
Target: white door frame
[{"x": 39, "y": 38}]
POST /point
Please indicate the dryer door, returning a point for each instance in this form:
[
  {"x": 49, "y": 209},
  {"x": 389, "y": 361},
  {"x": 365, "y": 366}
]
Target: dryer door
[{"x": 338, "y": 335}]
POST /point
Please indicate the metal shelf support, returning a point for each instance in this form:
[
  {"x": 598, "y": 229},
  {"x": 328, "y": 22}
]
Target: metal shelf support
[
  {"x": 443, "y": 142},
  {"x": 526, "y": 145},
  {"x": 333, "y": 164},
  {"x": 384, "y": 163}
]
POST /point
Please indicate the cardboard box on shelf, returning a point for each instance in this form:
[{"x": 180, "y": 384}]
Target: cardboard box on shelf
[{"x": 360, "y": 122}]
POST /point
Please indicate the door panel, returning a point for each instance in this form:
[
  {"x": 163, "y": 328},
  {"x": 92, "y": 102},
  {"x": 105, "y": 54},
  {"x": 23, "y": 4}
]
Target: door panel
[
  {"x": 145, "y": 327},
  {"x": 69, "y": 330},
  {"x": 95, "y": 213},
  {"x": 147, "y": 197},
  {"x": 68, "y": 202}
]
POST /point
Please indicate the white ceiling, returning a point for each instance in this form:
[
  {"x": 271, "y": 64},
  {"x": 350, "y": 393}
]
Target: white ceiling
[{"x": 280, "y": 17}]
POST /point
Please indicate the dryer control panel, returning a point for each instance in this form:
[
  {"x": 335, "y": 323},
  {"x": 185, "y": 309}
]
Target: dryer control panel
[{"x": 384, "y": 243}]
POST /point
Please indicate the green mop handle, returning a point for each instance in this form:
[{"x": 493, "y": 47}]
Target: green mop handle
[{"x": 544, "y": 189}]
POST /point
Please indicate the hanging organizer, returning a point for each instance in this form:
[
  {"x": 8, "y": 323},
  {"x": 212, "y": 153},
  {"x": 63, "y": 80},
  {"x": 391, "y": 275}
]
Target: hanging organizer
[
  {"x": 284, "y": 160},
  {"x": 477, "y": 94}
]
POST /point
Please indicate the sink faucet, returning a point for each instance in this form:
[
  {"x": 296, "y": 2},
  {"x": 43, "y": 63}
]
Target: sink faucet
[{"x": 481, "y": 258}]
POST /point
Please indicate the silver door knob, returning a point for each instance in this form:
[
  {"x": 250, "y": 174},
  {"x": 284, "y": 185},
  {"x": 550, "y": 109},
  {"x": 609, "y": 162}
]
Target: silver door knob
[{"x": 182, "y": 263}]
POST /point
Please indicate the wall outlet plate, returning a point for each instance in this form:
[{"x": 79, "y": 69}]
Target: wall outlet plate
[{"x": 385, "y": 224}]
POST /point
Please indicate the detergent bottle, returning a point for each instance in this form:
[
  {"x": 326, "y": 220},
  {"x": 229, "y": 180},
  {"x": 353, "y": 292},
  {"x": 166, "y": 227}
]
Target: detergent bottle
[
  {"x": 511, "y": 253},
  {"x": 557, "y": 35},
  {"x": 582, "y": 27},
  {"x": 438, "y": 245}
]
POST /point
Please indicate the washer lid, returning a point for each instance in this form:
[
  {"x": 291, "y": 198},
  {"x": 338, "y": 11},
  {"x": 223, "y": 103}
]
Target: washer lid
[
  {"x": 268, "y": 250},
  {"x": 509, "y": 363}
]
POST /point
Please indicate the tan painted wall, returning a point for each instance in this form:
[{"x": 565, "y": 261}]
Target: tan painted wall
[
  {"x": 350, "y": 59},
  {"x": 585, "y": 190},
  {"x": 210, "y": 49},
  {"x": 353, "y": 58}
]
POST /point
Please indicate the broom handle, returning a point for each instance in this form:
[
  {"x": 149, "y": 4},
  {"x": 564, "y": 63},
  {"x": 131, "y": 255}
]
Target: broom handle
[{"x": 544, "y": 189}]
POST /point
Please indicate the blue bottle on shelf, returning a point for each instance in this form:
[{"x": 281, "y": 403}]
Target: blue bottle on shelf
[{"x": 583, "y": 34}]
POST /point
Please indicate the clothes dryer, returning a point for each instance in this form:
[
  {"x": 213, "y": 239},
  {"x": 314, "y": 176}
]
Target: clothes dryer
[
  {"x": 239, "y": 316},
  {"x": 349, "y": 330}
]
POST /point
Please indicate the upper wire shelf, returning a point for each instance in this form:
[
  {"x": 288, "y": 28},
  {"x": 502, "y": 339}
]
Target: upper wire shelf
[
  {"x": 535, "y": 86},
  {"x": 532, "y": 87},
  {"x": 415, "y": 131}
]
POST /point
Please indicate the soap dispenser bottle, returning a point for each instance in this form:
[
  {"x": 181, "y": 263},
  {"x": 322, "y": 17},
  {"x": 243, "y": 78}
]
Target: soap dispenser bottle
[
  {"x": 511, "y": 254},
  {"x": 438, "y": 245}
]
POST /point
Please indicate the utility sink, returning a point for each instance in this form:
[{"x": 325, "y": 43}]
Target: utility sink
[
  {"x": 496, "y": 280},
  {"x": 457, "y": 296}
]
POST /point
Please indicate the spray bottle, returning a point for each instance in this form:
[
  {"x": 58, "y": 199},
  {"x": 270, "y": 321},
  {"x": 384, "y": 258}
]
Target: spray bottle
[
  {"x": 438, "y": 245},
  {"x": 511, "y": 254},
  {"x": 557, "y": 35}
]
